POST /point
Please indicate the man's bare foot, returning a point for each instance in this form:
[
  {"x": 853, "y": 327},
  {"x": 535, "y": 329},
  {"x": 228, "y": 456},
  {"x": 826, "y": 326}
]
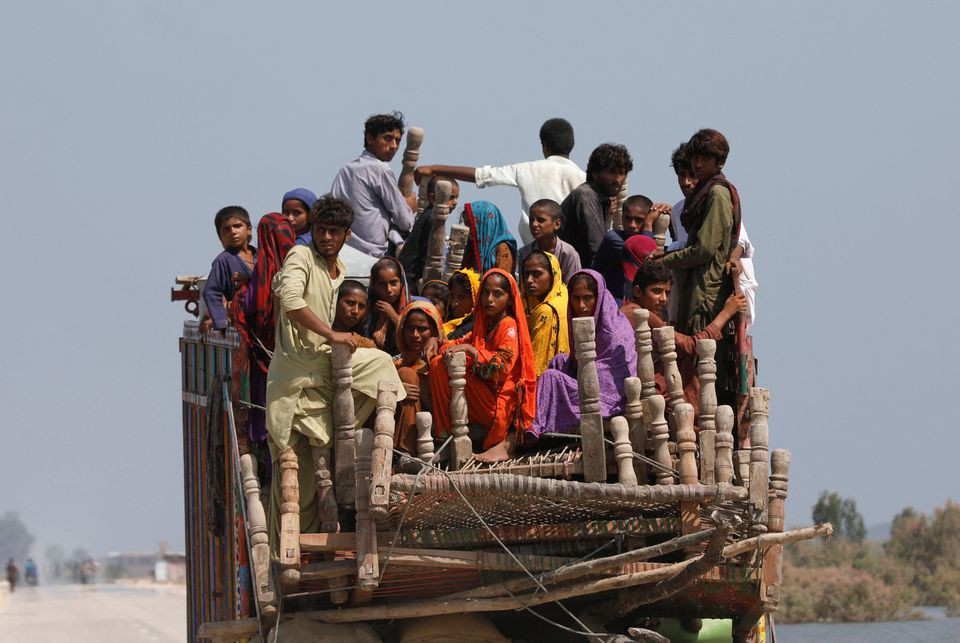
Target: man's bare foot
[{"x": 499, "y": 452}]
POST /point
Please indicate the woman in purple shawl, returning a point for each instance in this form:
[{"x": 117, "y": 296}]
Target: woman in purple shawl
[{"x": 558, "y": 400}]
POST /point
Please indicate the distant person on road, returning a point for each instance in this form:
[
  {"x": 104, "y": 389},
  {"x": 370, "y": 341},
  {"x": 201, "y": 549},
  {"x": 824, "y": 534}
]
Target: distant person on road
[
  {"x": 382, "y": 215},
  {"x": 552, "y": 177},
  {"x": 12, "y": 574}
]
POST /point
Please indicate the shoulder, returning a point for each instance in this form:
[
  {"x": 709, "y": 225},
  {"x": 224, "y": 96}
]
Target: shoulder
[
  {"x": 221, "y": 259},
  {"x": 721, "y": 192},
  {"x": 299, "y": 255}
]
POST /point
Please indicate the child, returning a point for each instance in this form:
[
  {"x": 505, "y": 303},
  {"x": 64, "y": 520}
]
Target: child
[
  {"x": 464, "y": 288},
  {"x": 419, "y": 334},
  {"x": 295, "y": 207},
  {"x": 351, "y": 311},
  {"x": 437, "y": 292},
  {"x": 490, "y": 244},
  {"x": 416, "y": 248},
  {"x": 230, "y": 268},
  {"x": 387, "y": 297},
  {"x": 501, "y": 378},
  {"x": 545, "y": 304},
  {"x": 638, "y": 215},
  {"x": 545, "y": 220}
]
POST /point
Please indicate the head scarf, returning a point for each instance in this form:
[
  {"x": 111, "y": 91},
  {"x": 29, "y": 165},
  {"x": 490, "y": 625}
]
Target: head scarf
[
  {"x": 432, "y": 314},
  {"x": 300, "y": 194},
  {"x": 474, "y": 278},
  {"x": 635, "y": 252},
  {"x": 256, "y": 316},
  {"x": 547, "y": 319},
  {"x": 378, "y": 326},
  {"x": 487, "y": 230},
  {"x": 525, "y": 369}
]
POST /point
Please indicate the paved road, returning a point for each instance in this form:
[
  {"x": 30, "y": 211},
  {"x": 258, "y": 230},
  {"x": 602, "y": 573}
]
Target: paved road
[{"x": 88, "y": 613}]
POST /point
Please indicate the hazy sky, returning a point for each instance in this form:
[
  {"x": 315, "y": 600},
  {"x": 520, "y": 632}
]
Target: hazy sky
[{"x": 124, "y": 126}]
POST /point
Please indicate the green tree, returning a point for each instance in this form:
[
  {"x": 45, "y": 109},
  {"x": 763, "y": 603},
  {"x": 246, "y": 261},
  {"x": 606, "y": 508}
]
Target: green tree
[
  {"x": 15, "y": 540},
  {"x": 842, "y": 514}
]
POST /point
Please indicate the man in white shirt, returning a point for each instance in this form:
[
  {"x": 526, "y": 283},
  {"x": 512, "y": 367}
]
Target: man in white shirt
[{"x": 552, "y": 177}]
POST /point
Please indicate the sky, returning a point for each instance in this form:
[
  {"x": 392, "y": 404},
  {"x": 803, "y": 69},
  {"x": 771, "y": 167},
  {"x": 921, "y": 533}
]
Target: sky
[{"x": 124, "y": 126}]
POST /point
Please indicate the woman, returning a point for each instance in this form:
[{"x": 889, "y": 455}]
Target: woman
[
  {"x": 490, "y": 244},
  {"x": 419, "y": 333},
  {"x": 501, "y": 376},
  {"x": 463, "y": 290},
  {"x": 387, "y": 297},
  {"x": 545, "y": 305},
  {"x": 558, "y": 399}
]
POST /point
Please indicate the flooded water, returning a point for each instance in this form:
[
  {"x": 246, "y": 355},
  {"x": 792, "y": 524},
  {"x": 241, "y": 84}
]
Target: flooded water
[{"x": 937, "y": 629}]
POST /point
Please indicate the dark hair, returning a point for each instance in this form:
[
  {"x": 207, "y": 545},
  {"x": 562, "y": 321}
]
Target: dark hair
[
  {"x": 386, "y": 263},
  {"x": 584, "y": 278},
  {"x": 442, "y": 290},
  {"x": 499, "y": 276},
  {"x": 556, "y": 134},
  {"x": 380, "y": 123},
  {"x": 551, "y": 206},
  {"x": 651, "y": 272},
  {"x": 709, "y": 142},
  {"x": 231, "y": 212},
  {"x": 540, "y": 255},
  {"x": 331, "y": 211},
  {"x": 460, "y": 279},
  {"x": 350, "y": 285},
  {"x": 432, "y": 184},
  {"x": 608, "y": 156},
  {"x": 638, "y": 201},
  {"x": 680, "y": 159}
]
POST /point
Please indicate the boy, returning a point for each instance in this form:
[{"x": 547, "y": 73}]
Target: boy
[
  {"x": 413, "y": 254},
  {"x": 637, "y": 217},
  {"x": 351, "y": 311},
  {"x": 231, "y": 268},
  {"x": 545, "y": 220}
]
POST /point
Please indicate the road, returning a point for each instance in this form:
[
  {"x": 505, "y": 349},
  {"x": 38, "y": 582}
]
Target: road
[{"x": 88, "y": 613}]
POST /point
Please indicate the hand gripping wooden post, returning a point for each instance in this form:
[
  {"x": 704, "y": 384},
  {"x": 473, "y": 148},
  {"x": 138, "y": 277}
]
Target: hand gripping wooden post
[
  {"x": 438, "y": 233},
  {"x": 645, "y": 367},
  {"x": 326, "y": 497},
  {"x": 289, "y": 520},
  {"x": 773, "y": 561},
  {"x": 660, "y": 227},
  {"x": 659, "y": 434},
  {"x": 259, "y": 539},
  {"x": 591, "y": 420},
  {"x": 707, "y": 374},
  {"x": 425, "y": 436},
  {"x": 724, "y": 444},
  {"x": 344, "y": 425},
  {"x": 457, "y": 370},
  {"x": 423, "y": 196},
  {"x": 623, "y": 450},
  {"x": 455, "y": 245},
  {"x": 665, "y": 340},
  {"x": 411, "y": 154},
  {"x": 632, "y": 386},
  {"x": 759, "y": 468},
  {"x": 382, "y": 458},
  {"x": 368, "y": 564},
  {"x": 687, "y": 447}
]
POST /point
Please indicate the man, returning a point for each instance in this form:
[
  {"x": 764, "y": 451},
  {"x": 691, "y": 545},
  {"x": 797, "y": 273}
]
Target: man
[
  {"x": 553, "y": 177},
  {"x": 381, "y": 213},
  {"x": 585, "y": 209}
]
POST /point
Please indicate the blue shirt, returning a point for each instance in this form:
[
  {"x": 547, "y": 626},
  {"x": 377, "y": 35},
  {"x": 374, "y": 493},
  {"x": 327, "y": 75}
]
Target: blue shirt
[{"x": 219, "y": 286}]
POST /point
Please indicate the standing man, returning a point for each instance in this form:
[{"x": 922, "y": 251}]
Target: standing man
[
  {"x": 585, "y": 209},
  {"x": 382, "y": 215},
  {"x": 552, "y": 177}
]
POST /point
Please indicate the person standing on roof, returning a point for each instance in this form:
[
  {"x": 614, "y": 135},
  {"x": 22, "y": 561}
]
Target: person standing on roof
[
  {"x": 382, "y": 215},
  {"x": 552, "y": 177}
]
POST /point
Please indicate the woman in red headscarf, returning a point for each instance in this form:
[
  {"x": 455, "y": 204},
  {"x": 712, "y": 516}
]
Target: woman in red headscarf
[
  {"x": 419, "y": 333},
  {"x": 501, "y": 372}
]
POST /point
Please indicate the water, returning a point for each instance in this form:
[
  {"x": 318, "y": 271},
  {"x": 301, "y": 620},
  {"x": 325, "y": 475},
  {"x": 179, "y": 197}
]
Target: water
[{"x": 938, "y": 629}]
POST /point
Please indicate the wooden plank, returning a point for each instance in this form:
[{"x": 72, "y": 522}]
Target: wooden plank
[
  {"x": 591, "y": 420},
  {"x": 289, "y": 520},
  {"x": 381, "y": 460},
  {"x": 344, "y": 424}
]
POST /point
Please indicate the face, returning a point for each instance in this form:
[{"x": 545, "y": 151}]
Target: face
[
  {"x": 704, "y": 166},
  {"x": 494, "y": 297},
  {"x": 351, "y": 308},
  {"x": 582, "y": 300},
  {"x": 417, "y": 329},
  {"x": 633, "y": 218},
  {"x": 454, "y": 197},
  {"x": 295, "y": 211},
  {"x": 461, "y": 301},
  {"x": 328, "y": 239},
  {"x": 384, "y": 145},
  {"x": 653, "y": 297},
  {"x": 542, "y": 224},
  {"x": 687, "y": 181},
  {"x": 235, "y": 233},
  {"x": 610, "y": 181},
  {"x": 388, "y": 285},
  {"x": 537, "y": 278}
]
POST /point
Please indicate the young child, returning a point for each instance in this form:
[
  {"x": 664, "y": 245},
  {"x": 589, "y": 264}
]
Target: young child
[
  {"x": 351, "y": 311},
  {"x": 464, "y": 288},
  {"x": 545, "y": 304},
  {"x": 419, "y": 335},
  {"x": 413, "y": 255},
  {"x": 437, "y": 292},
  {"x": 295, "y": 207},
  {"x": 637, "y": 216},
  {"x": 545, "y": 221},
  {"x": 501, "y": 378},
  {"x": 387, "y": 297},
  {"x": 232, "y": 267}
]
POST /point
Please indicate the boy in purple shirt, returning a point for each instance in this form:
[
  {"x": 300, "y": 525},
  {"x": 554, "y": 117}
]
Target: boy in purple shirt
[{"x": 231, "y": 268}]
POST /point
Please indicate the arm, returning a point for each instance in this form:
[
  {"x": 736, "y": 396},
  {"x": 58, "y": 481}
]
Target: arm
[
  {"x": 399, "y": 207},
  {"x": 291, "y": 284},
  {"x": 687, "y": 344},
  {"x": 711, "y": 236},
  {"x": 458, "y": 172},
  {"x": 218, "y": 288},
  {"x": 491, "y": 363},
  {"x": 592, "y": 213}
]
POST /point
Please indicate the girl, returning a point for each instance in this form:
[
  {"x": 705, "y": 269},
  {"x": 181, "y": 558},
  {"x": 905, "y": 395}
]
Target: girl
[
  {"x": 388, "y": 296},
  {"x": 295, "y": 207},
  {"x": 490, "y": 244},
  {"x": 545, "y": 304},
  {"x": 501, "y": 376},
  {"x": 462, "y": 297},
  {"x": 419, "y": 333}
]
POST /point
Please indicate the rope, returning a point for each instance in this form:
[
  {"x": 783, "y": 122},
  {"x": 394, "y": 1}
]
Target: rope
[{"x": 251, "y": 405}]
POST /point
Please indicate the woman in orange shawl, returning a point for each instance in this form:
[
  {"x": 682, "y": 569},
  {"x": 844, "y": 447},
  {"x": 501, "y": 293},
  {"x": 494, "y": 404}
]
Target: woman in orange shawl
[
  {"x": 419, "y": 333},
  {"x": 501, "y": 376}
]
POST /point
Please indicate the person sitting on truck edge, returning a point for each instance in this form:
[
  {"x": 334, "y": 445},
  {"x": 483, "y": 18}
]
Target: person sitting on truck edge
[
  {"x": 300, "y": 382},
  {"x": 383, "y": 214},
  {"x": 501, "y": 375},
  {"x": 352, "y": 311},
  {"x": 231, "y": 268},
  {"x": 464, "y": 289},
  {"x": 295, "y": 206},
  {"x": 637, "y": 216},
  {"x": 387, "y": 296},
  {"x": 545, "y": 219},
  {"x": 585, "y": 209},
  {"x": 552, "y": 177},
  {"x": 545, "y": 305},
  {"x": 419, "y": 335},
  {"x": 416, "y": 248}
]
